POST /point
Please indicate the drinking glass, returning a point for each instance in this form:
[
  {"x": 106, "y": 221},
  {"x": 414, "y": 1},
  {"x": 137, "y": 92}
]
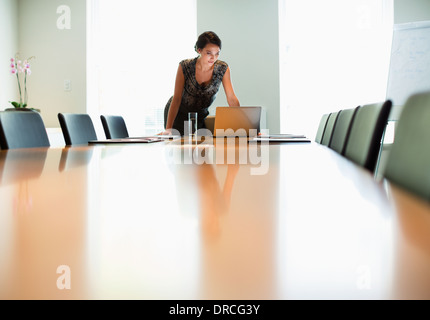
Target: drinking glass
[{"x": 192, "y": 123}]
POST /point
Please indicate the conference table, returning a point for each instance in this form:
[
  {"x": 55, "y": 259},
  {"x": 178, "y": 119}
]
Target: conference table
[{"x": 203, "y": 220}]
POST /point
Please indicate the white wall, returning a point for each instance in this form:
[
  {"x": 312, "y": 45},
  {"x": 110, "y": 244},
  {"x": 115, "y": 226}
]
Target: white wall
[
  {"x": 249, "y": 33},
  {"x": 411, "y": 10},
  {"x": 60, "y": 55},
  {"x": 9, "y": 46}
]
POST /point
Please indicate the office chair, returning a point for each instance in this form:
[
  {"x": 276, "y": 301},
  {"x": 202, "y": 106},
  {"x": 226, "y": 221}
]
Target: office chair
[
  {"x": 367, "y": 129},
  {"x": 22, "y": 129},
  {"x": 342, "y": 130},
  {"x": 331, "y": 122},
  {"x": 114, "y": 127},
  {"x": 408, "y": 163},
  {"x": 321, "y": 128},
  {"x": 77, "y": 128},
  {"x": 210, "y": 123}
]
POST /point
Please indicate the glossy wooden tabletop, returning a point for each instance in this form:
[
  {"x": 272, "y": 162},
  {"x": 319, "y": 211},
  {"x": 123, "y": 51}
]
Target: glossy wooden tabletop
[{"x": 170, "y": 220}]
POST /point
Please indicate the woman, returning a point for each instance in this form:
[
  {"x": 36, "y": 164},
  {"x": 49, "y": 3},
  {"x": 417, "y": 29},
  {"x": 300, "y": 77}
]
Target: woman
[{"x": 197, "y": 83}]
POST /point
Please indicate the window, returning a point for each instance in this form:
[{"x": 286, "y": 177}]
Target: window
[
  {"x": 134, "y": 48},
  {"x": 334, "y": 55}
]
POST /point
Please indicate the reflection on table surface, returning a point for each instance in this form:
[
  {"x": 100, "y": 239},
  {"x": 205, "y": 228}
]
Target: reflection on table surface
[{"x": 251, "y": 221}]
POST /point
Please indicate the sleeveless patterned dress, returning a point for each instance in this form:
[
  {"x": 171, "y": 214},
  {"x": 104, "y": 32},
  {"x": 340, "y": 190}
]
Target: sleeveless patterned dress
[{"x": 196, "y": 97}]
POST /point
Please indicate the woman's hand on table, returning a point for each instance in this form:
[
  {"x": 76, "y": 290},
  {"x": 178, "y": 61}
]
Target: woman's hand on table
[{"x": 167, "y": 132}]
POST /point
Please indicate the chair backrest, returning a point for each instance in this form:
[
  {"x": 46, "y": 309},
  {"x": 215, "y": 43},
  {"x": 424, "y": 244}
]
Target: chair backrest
[
  {"x": 321, "y": 128},
  {"x": 408, "y": 163},
  {"x": 367, "y": 129},
  {"x": 331, "y": 122},
  {"x": 22, "y": 129},
  {"x": 210, "y": 123},
  {"x": 114, "y": 127},
  {"x": 342, "y": 130},
  {"x": 77, "y": 128}
]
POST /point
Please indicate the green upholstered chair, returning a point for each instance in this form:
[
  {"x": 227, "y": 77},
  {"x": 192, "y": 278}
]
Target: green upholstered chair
[
  {"x": 367, "y": 129},
  {"x": 331, "y": 122},
  {"x": 321, "y": 128},
  {"x": 408, "y": 163},
  {"x": 342, "y": 130}
]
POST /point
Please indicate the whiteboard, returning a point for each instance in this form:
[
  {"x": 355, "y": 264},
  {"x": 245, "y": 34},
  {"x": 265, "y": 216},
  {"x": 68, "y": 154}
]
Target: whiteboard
[{"x": 410, "y": 61}]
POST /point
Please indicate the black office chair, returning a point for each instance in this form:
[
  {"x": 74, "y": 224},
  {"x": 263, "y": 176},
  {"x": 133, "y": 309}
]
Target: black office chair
[
  {"x": 77, "y": 128},
  {"x": 210, "y": 123},
  {"x": 22, "y": 129},
  {"x": 342, "y": 130},
  {"x": 321, "y": 128},
  {"x": 114, "y": 127},
  {"x": 367, "y": 129},
  {"x": 331, "y": 122},
  {"x": 408, "y": 163}
]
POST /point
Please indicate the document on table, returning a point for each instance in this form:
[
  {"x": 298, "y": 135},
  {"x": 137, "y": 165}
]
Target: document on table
[{"x": 127, "y": 140}]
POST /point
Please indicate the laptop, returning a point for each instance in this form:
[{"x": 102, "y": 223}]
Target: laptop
[{"x": 237, "y": 121}]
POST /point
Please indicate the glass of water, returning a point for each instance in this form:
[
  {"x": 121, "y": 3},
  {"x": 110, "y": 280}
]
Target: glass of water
[{"x": 192, "y": 123}]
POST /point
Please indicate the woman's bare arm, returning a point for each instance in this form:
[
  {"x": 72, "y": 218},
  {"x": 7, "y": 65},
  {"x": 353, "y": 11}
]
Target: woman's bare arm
[{"x": 232, "y": 100}]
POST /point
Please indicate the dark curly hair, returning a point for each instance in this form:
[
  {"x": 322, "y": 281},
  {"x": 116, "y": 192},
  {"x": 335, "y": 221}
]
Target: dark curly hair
[{"x": 205, "y": 38}]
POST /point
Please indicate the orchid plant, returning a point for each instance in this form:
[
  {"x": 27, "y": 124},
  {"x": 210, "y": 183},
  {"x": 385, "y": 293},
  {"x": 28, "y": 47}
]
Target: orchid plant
[{"x": 20, "y": 67}]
